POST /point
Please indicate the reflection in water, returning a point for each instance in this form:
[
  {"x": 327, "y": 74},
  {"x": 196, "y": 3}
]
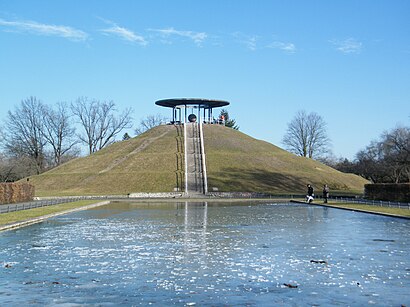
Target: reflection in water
[
  {"x": 196, "y": 214},
  {"x": 207, "y": 254}
]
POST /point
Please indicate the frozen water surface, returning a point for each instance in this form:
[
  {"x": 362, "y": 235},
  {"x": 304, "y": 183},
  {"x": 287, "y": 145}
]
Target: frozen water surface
[{"x": 214, "y": 254}]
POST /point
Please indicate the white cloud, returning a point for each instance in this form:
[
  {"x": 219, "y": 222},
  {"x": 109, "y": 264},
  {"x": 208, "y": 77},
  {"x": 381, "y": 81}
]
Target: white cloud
[
  {"x": 249, "y": 41},
  {"x": 347, "y": 46},
  {"x": 124, "y": 34},
  {"x": 197, "y": 37},
  {"x": 44, "y": 29},
  {"x": 287, "y": 47}
]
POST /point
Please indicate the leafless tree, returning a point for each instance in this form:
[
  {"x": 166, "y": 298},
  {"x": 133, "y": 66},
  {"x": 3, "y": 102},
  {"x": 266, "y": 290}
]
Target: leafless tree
[
  {"x": 6, "y": 169},
  {"x": 23, "y": 132},
  {"x": 369, "y": 166},
  {"x": 15, "y": 168},
  {"x": 306, "y": 135},
  {"x": 394, "y": 150},
  {"x": 386, "y": 160},
  {"x": 100, "y": 122},
  {"x": 149, "y": 122},
  {"x": 59, "y": 131}
]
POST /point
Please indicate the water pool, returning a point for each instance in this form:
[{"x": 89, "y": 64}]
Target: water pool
[{"x": 207, "y": 254}]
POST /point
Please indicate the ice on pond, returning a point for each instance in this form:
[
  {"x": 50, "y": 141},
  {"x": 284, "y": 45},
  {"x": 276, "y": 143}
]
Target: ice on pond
[{"x": 207, "y": 254}]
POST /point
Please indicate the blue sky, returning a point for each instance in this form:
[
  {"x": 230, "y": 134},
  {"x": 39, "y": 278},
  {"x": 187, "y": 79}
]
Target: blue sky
[{"x": 349, "y": 61}]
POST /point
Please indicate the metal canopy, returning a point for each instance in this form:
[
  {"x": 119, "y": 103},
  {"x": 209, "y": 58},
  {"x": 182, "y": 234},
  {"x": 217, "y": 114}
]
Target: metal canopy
[
  {"x": 177, "y": 104},
  {"x": 183, "y": 102}
]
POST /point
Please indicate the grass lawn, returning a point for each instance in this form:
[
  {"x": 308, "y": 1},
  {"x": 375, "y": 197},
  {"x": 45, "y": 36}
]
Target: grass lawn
[
  {"x": 371, "y": 208},
  {"x": 19, "y": 216}
]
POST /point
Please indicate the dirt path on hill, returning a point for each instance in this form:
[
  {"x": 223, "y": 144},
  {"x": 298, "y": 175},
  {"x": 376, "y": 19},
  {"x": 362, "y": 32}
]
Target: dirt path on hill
[{"x": 140, "y": 148}]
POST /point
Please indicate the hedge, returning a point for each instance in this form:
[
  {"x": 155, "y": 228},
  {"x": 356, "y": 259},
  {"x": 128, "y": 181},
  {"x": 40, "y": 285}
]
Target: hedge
[
  {"x": 388, "y": 191},
  {"x": 13, "y": 192}
]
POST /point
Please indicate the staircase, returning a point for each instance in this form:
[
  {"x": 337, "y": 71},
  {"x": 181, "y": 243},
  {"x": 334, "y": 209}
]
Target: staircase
[{"x": 195, "y": 168}]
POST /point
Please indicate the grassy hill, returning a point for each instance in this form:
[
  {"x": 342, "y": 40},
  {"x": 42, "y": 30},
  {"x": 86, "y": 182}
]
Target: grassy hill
[
  {"x": 149, "y": 163},
  {"x": 238, "y": 162},
  {"x": 145, "y": 163}
]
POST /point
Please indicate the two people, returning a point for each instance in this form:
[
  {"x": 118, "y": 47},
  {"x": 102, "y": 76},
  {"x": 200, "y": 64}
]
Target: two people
[{"x": 310, "y": 193}]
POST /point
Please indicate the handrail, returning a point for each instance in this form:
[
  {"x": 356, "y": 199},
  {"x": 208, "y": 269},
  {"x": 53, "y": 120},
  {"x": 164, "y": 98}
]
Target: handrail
[
  {"x": 186, "y": 159},
  {"x": 204, "y": 175}
]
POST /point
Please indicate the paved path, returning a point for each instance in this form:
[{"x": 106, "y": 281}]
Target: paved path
[
  {"x": 44, "y": 217},
  {"x": 340, "y": 206}
]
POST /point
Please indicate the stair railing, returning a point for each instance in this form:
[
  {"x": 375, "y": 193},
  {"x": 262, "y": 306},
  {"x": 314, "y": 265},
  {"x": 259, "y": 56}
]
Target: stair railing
[
  {"x": 186, "y": 158},
  {"x": 204, "y": 175}
]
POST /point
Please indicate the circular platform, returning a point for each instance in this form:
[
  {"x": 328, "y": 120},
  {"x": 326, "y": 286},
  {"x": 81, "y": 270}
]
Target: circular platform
[{"x": 203, "y": 103}]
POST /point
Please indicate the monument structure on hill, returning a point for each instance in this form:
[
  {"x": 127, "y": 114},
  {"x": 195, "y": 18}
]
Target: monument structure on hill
[
  {"x": 182, "y": 108},
  {"x": 183, "y": 112}
]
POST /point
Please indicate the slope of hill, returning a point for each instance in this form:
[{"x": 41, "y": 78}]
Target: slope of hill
[
  {"x": 144, "y": 163},
  {"x": 238, "y": 162},
  {"x": 152, "y": 162}
]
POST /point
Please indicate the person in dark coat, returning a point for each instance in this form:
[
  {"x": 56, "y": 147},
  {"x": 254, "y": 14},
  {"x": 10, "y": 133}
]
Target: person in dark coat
[{"x": 310, "y": 195}]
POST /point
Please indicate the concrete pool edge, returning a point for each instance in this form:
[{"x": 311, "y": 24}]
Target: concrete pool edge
[
  {"x": 44, "y": 217},
  {"x": 352, "y": 209}
]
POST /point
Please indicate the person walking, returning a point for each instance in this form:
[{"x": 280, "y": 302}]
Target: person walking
[
  {"x": 325, "y": 193},
  {"x": 310, "y": 195}
]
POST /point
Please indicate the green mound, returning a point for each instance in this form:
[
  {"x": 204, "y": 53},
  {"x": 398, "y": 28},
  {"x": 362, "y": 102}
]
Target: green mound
[
  {"x": 238, "y": 162},
  {"x": 152, "y": 162},
  {"x": 146, "y": 163}
]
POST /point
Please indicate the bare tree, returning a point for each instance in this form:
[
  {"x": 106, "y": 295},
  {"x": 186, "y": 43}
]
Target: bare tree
[
  {"x": 59, "y": 132},
  {"x": 306, "y": 135},
  {"x": 23, "y": 132},
  {"x": 394, "y": 152},
  {"x": 15, "y": 168},
  {"x": 368, "y": 164},
  {"x": 100, "y": 122},
  {"x": 149, "y": 122},
  {"x": 6, "y": 169},
  {"x": 386, "y": 160}
]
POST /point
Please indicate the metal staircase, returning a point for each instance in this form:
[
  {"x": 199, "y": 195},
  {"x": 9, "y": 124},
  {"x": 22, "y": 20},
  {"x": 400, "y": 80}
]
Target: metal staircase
[{"x": 195, "y": 167}]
